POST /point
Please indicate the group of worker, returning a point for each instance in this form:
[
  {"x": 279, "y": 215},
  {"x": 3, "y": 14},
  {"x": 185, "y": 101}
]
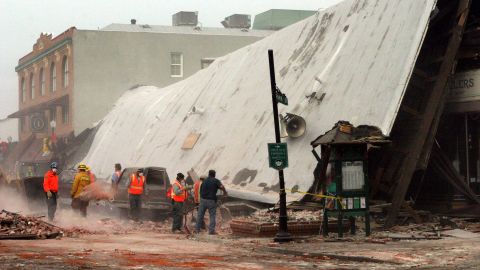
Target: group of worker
[
  {"x": 83, "y": 178},
  {"x": 204, "y": 193},
  {"x": 205, "y": 197}
]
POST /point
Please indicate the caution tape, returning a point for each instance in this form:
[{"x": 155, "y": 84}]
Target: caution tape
[{"x": 338, "y": 198}]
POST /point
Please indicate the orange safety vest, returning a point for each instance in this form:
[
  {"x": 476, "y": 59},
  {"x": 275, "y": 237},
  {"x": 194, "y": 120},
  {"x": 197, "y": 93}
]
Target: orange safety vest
[
  {"x": 196, "y": 191},
  {"x": 179, "y": 198},
  {"x": 136, "y": 185},
  {"x": 92, "y": 177}
]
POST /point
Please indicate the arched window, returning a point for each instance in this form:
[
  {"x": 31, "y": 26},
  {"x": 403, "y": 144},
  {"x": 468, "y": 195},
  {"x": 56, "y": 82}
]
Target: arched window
[
  {"x": 41, "y": 78},
  {"x": 53, "y": 78},
  {"x": 65, "y": 72},
  {"x": 24, "y": 90},
  {"x": 32, "y": 86}
]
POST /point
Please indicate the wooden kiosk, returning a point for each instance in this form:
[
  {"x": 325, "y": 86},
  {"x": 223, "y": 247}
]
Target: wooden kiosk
[{"x": 344, "y": 172}]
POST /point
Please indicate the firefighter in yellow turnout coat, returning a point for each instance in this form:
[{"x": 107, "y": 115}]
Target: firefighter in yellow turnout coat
[{"x": 81, "y": 181}]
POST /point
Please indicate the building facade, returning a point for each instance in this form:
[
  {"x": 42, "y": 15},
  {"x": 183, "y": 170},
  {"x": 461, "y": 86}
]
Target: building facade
[
  {"x": 45, "y": 83},
  {"x": 460, "y": 129},
  {"x": 69, "y": 82}
]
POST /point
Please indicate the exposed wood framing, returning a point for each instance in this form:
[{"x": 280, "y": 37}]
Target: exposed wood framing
[{"x": 412, "y": 135}]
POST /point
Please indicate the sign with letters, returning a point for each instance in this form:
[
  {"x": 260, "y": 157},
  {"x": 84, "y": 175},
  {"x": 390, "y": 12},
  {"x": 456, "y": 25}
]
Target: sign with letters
[
  {"x": 464, "y": 86},
  {"x": 278, "y": 155}
]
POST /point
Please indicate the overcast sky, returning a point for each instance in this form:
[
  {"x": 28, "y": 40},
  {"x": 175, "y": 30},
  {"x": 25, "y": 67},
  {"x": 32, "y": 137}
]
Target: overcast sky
[{"x": 22, "y": 21}]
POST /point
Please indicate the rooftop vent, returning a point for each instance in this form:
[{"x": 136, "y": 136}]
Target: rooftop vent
[
  {"x": 237, "y": 21},
  {"x": 185, "y": 18},
  {"x": 133, "y": 21}
]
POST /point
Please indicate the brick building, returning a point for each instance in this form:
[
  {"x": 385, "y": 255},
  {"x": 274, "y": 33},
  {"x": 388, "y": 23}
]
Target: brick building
[
  {"x": 69, "y": 82},
  {"x": 45, "y": 79}
]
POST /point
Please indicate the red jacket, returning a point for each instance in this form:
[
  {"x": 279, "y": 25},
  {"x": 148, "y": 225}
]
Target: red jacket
[{"x": 50, "y": 182}]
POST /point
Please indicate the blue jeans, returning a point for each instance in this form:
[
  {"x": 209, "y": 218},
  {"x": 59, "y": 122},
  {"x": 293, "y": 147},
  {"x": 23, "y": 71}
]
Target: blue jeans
[
  {"x": 135, "y": 206},
  {"x": 211, "y": 205}
]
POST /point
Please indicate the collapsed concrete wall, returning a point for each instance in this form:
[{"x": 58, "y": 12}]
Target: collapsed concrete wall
[{"x": 349, "y": 62}]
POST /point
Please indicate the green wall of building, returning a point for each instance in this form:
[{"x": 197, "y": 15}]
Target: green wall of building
[{"x": 275, "y": 19}]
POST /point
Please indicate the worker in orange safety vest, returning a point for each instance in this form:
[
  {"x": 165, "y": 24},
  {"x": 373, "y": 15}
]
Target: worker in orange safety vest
[
  {"x": 91, "y": 175},
  {"x": 179, "y": 195},
  {"x": 136, "y": 187},
  {"x": 196, "y": 189}
]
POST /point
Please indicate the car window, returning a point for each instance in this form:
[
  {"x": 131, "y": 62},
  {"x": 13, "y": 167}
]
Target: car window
[{"x": 156, "y": 177}]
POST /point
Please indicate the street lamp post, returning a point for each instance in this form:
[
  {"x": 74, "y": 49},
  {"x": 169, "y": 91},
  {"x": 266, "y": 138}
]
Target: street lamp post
[
  {"x": 53, "y": 125},
  {"x": 282, "y": 235}
]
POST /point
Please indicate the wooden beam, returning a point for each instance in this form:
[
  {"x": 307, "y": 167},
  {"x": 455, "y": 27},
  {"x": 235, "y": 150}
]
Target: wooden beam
[
  {"x": 421, "y": 73},
  {"x": 410, "y": 111},
  {"x": 435, "y": 100},
  {"x": 412, "y": 212},
  {"x": 427, "y": 147}
]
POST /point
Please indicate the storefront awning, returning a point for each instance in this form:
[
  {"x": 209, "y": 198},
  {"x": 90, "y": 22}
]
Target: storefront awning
[{"x": 60, "y": 101}]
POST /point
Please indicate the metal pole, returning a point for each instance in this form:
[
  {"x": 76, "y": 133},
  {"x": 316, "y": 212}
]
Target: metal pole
[{"x": 282, "y": 235}]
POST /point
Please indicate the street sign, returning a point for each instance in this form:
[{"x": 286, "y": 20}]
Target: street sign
[
  {"x": 278, "y": 155},
  {"x": 281, "y": 98}
]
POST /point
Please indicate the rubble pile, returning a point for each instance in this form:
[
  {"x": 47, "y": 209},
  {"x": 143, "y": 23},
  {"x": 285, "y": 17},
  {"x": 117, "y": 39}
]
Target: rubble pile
[
  {"x": 473, "y": 227},
  {"x": 115, "y": 226},
  {"x": 123, "y": 227},
  {"x": 266, "y": 216},
  {"x": 16, "y": 226},
  {"x": 264, "y": 223},
  {"x": 76, "y": 231}
]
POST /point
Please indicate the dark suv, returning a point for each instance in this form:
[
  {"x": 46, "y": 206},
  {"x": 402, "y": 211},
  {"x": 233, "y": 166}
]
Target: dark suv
[{"x": 154, "y": 196}]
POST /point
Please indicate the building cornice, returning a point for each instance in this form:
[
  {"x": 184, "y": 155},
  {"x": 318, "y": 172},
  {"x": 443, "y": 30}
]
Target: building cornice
[{"x": 43, "y": 54}]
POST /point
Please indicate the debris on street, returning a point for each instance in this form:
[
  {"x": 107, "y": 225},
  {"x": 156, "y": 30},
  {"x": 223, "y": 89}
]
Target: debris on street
[
  {"x": 16, "y": 226},
  {"x": 107, "y": 226},
  {"x": 377, "y": 102},
  {"x": 264, "y": 223},
  {"x": 266, "y": 215}
]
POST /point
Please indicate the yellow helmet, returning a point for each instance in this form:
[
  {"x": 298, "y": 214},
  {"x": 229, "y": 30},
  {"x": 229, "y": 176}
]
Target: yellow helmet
[
  {"x": 88, "y": 168},
  {"x": 82, "y": 166}
]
